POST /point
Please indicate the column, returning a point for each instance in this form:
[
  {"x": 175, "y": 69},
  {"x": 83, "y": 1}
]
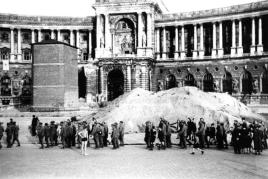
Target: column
[
  {"x": 33, "y": 36},
  {"x": 52, "y": 34},
  {"x": 144, "y": 78},
  {"x": 129, "y": 78},
  {"x": 157, "y": 40},
  {"x": 201, "y": 50},
  {"x": 39, "y": 35},
  {"x": 233, "y": 48},
  {"x": 240, "y": 45},
  {"x": 149, "y": 30},
  {"x": 77, "y": 42},
  {"x": 89, "y": 45},
  {"x": 98, "y": 31},
  {"x": 12, "y": 56},
  {"x": 195, "y": 42},
  {"x": 59, "y": 35},
  {"x": 139, "y": 30},
  {"x": 260, "y": 45},
  {"x": 182, "y": 43},
  {"x": 220, "y": 50},
  {"x": 102, "y": 81},
  {"x": 253, "y": 37},
  {"x": 176, "y": 55},
  {"x": 107, "y": 33},
  {"x": 19, "y": 45},
  {"x": 164, "y": 43},
  {"x": 72, "y": 37},
  {"x": 214, "y": 48}
]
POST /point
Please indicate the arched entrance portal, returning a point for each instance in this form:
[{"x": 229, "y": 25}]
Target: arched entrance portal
[
  {"x": 227, "y": 83},
  {"x": 171, "y": 82},
  {"x": 189, "y": 80},
  {"x": 208, "y": 82},
  {"x": 82, "y": 83},
  {"x": 247, "y": 87},
  {"x": 115, "y": 83}
]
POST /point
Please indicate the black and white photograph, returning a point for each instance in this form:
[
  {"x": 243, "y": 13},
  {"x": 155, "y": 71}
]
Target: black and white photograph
[{"x": 133, "y": 89}]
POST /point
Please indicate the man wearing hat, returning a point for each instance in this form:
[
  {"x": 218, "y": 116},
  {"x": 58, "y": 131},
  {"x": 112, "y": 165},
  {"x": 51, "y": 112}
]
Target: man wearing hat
[
  {"x": 40, "y": 134},
  {"x": 1, "y": 133},
  {"x": 52, "y": 133},
  {"x": 47, "y": 134}
]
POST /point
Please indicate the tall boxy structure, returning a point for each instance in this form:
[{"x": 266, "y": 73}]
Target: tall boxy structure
[{"x": 54, "y": 76}]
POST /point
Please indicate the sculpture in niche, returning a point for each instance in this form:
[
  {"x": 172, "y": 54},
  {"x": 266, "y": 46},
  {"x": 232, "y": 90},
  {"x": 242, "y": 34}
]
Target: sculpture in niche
[
  {"x": 235, "y": 85},
  {"x": 124, "y": 37}
]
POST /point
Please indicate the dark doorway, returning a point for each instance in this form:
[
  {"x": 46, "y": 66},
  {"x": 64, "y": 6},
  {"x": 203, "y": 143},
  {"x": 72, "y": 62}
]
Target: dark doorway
[
  {"x": 115, "y": 84},
  {"x": 208, "y": 82},
  {"x": 82, "y": 83},
  {"x": 171, "y": 82},
  {"x": 264, "y": 80},
  {"x": 247, "y": 87},
  {"x": 227, "y": 83},
  {"x": 189, "y": 80}
]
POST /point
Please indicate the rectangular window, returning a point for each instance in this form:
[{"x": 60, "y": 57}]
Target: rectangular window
[
  {"x": 85, "y": 56},
  {"x": 27, "y": 56}
]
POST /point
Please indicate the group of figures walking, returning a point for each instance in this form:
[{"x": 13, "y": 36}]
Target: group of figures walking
[
  {"x": 12, "y": 133},
  {"x": 72, "y": 133},
  {"x": 245, "y": 137}
]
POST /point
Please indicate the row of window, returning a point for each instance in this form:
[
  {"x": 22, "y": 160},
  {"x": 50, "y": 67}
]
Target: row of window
[
  {"x": 5, "y": 54},
  {"x": 230, "y": 85}
]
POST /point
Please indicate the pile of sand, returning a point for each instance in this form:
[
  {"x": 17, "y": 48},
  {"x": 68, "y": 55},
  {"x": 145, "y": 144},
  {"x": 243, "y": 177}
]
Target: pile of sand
[{"x": 139, "y": 106}]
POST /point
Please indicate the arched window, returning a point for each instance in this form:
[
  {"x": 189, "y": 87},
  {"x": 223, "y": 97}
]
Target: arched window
[
  {"x": 124, "y": 42},
  {"x": 264, "y": 81},
  {"x": 227, "y": 83},
  {"x": 208, "y": 82},
  {"x": 171, "y": 82},
  {"x": 247, "y": 87},
  {"x": 189, "y": 80}
]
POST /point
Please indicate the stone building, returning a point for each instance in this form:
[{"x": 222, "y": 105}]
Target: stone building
[{"x": 135, "y": 43}]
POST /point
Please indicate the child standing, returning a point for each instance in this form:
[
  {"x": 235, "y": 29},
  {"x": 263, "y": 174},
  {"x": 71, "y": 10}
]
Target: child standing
[{"x": 84, "y": 138}]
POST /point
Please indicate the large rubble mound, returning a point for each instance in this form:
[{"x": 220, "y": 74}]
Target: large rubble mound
[{"x": 139, "y": 106}]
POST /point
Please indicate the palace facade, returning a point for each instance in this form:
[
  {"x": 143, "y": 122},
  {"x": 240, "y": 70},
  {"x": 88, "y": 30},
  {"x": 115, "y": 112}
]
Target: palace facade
[{"x": 133, "y": 43}]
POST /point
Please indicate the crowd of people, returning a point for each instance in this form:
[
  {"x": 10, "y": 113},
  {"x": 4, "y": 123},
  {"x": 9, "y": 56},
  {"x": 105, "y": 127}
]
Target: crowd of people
[
  {"x": 12, "y": 133},
  {"x": 245, "y": 137},
  {"x": 72, "y": 133}
]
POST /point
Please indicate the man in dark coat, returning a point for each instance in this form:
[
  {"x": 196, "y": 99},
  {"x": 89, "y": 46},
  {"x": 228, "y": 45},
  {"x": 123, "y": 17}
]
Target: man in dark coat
[
  {"x": 163, "y": 130},
  {"x": 182, "y": 134},
  {"x": 201, "y": 133},
  {"x": 2, "y": 130},
  {"x": 47, "y": 134},
  {"x": 236, "y": 135},
  {"x": 63, "y": 134},
  {"x": 16, "y": 134},
  {"x": 34, "y": 124},
  {"x": 74, "y": 133},
  {"x": 147, "y": 137},
  {"x": 219, "y": 136},
  {"x": 106, "y": 132},
  {"x": 69, "y": 134},
  {"x": 95, "y": 134},
  {"x": 40, "y": 134},
  {"x": 257, "y": 139},
  {"x": 115, "y": 136},
  {"x": 9, "y": 135},
  {"x": 52, "y": 133}
]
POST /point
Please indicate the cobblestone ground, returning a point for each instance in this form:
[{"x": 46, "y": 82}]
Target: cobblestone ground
[{"x": 132, "y": 161}]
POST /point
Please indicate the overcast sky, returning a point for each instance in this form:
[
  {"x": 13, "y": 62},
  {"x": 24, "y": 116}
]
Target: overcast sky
[{"x": 83, "y": 8}]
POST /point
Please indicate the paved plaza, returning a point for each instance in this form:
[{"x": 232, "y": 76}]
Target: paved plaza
[{"x": 131, "y": 161}]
